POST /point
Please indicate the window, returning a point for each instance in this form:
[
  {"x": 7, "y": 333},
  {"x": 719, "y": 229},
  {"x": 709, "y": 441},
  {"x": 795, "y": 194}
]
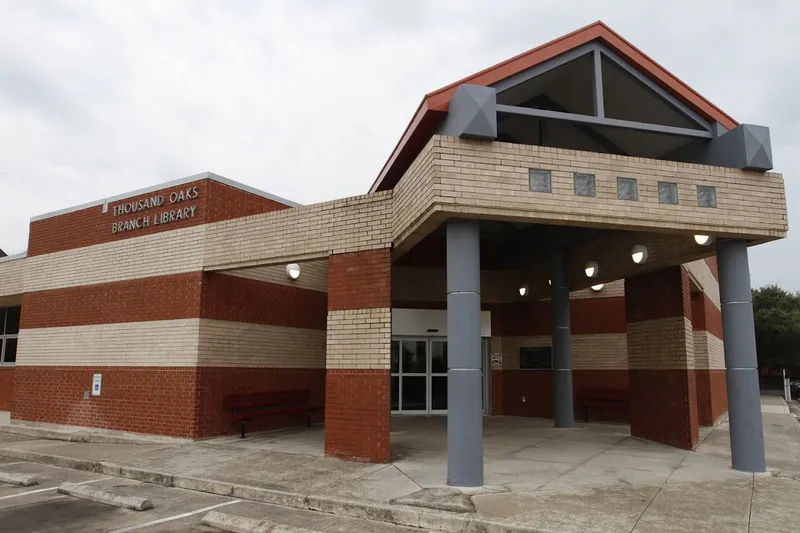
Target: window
[
  {"x": 9, "y": 328},
  {"x": 584, "y": 184},
  {"x": 540, "y": 180},
  {"x": 706, "y": 196},
  {"x": 667, "y": 193},
  {"x": 536, "y": 358},
  {"x": 626, "y": 189}
]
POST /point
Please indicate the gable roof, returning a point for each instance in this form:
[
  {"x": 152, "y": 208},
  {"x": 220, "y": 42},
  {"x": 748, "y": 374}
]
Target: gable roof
[{"x": 434, "y": 105}]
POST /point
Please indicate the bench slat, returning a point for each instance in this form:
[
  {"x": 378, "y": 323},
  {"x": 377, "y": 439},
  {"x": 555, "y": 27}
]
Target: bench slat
[{"x": 249, "y": 414}]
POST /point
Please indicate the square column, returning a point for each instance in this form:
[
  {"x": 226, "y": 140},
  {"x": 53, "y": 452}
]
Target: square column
[
  {"x": 357, "y": 358},
  {"x": 744, "y": 396},
  {"x": 564, "y": 413},
  {"x": 709, "y": 360},
  {"x": 663, "y": 397},
  {"x": 464, "y": 381}
]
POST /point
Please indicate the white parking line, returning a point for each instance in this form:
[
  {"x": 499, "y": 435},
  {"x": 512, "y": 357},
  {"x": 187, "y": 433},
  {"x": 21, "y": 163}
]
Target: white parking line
[
  {"x": 171, "y": 518},
  {"x": 51, "y": 488},
  {"x": 9, "y": 464}
]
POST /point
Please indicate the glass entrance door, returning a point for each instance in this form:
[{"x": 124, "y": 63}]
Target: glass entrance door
[{"x": 419, "y": 375}]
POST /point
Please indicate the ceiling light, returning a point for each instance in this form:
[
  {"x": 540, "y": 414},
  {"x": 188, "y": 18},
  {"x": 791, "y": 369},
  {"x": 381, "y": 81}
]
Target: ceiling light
[
  {"x": 523, "y": 289},
  {"x": 598, "y": 287},
  {"x": 703, "y": 240},
  {"x": 591, "y": 269},
  {"x": 293, "y": 270},
  {"x": 639, "y": 254}
]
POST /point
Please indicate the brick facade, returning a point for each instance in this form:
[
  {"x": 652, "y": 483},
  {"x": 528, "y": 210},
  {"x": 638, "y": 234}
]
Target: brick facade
[
  {"x": 357, "y": 385},
  {"x": 6, "y": 387},
  {"x": 215, "y": 201},
  {"x": 663, "y": 393}
]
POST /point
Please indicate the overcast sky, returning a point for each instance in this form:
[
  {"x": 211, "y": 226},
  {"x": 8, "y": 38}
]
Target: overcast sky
[{"x": 307, "y": 99}]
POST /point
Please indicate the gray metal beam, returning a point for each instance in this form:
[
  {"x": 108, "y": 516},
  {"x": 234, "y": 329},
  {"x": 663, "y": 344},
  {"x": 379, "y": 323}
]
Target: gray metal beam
[
  {"x": 464, "y": 381},
  {"x": 655, "y": 88},
  {"x": 738, "y": 330},
  {"x": 597, "y": 80},
  {"x": 562, "y": 347},
  {"x": 602, "y": 121},
  {"x": 538, "y": 70}
]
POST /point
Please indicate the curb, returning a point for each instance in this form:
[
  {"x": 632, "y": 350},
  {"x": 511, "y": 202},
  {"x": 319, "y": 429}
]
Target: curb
[
  {"x": 82, "y": 435},
  {"x": 240, "y": 524},
  {"x": 102, "y": 496},
  {"x": 400, "y": 515},
  {"x": 23, "y": 480}
]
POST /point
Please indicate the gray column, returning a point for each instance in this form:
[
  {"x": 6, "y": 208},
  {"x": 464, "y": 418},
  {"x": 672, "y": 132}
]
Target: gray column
[
  {"x": 744, "y": 398},
  {"x": 464, "y": 409},
  {"x": 562, "y": 347}
]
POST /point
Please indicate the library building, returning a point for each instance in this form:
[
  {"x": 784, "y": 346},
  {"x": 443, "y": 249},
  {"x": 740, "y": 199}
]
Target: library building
[{"x": 563, "y": 235}]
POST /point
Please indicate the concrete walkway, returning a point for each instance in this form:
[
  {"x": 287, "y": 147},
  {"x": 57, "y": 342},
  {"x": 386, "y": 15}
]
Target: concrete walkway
[{"x": 592, "y": 478}]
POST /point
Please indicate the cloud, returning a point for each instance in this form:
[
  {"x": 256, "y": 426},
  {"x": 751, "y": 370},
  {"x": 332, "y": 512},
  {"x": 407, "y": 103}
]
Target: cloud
[{"x": 307, "y": 99}]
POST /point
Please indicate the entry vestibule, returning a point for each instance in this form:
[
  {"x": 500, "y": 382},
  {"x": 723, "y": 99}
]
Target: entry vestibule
[{"x": 419, "y": 361}]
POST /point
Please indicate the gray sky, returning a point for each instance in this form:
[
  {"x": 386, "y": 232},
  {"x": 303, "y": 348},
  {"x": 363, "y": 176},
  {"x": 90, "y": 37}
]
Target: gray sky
[{"x": 307, "y": 99}]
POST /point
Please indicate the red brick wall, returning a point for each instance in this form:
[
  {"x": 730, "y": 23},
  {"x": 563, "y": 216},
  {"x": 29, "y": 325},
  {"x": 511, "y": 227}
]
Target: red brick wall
[
  {"x": 712, "y": 396},
  {"x": 214, "y": 383},
  {"x": 587, "y": 316},
  {"x": 498, "y": 392},
  {"x": 536, "y": 386},
  {"x": 357, "y": 414},
  {"x": 705, "y": 315},
  {"x": 258, "y": 302},
  {"x": 663, "y": 402},
  {"x": 360, "y": 280},
  {"x": 711, "y": 261},
  {"x": 357, "y": 408},
  {"x": 86, "y": 227},
  {"x": 138, "y": 300},
  {"x": 6, "y": 387},
  {"x": 159, "y": 400}
]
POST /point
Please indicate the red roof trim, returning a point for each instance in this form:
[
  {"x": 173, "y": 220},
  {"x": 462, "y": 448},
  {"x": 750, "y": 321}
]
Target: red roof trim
[{"x": 435, "y": 104}]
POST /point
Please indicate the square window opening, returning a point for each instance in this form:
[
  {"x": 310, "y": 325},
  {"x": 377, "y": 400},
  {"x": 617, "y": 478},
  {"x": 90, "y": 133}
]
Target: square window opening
[
  {"x": 540, "y": 180},
  {"x": 627, "y": 189},
  {"x": 706, "y": 196},
  {"x": 584, "y": 184},
  {"x": 667, "y": 193}
]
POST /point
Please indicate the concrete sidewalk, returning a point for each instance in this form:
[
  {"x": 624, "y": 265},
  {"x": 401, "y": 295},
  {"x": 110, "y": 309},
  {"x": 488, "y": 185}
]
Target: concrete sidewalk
[{"x": 593, "y": 478}]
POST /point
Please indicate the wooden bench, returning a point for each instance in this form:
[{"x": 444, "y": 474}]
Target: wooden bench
[
  {"x": 593, "y": 398},
  {"x": 246, "y": 407}
]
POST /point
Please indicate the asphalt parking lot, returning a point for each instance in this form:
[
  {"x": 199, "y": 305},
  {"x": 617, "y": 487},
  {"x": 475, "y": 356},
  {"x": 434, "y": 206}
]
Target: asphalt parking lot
[{"x": 40, "y": 508}]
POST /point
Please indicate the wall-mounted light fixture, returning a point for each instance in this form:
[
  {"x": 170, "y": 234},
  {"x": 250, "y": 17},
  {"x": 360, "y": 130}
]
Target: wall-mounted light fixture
[
  {"x": 598, "y": 287},
  {"x": 703, "y": 240},
  {"x": 293, "y": 270},
  {"x": 523, "y": 289},
  {"x": 591, "y": 269},
  {"x": 639, "y": 254}
]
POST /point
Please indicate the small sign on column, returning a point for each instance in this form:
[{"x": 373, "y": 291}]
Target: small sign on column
[{"x": 97, "y": 384}]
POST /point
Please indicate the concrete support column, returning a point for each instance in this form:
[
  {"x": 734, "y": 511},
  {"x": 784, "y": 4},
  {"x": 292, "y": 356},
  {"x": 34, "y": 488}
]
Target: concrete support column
[
  {"x": 744, "y": 399},
  {"x": 464, "y": 409},
  {"x": 562, "y": 347}
]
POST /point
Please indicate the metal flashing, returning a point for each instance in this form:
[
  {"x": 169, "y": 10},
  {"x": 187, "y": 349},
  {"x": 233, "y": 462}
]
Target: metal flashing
[{"x": 166, "y": 185}]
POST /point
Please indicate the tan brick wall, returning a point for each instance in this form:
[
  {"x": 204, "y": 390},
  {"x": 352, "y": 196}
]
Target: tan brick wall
[
  {"x": 359, "y": 338},
  {"x": 315, "y": 231},
  {"x": 661, "y": 344},
  {"x": 12, "y": 274},
  {"x": 608, "y": 351},
  {"x": 612, "y": 289},
  {"x": 162, "y": 343},
  {"x": 237, "y": 344},
  {"x": 414, "y": 193},
  {"x": 169, "y": 252},
  {"x": 701, "y": 273},
  {"x": 709, "y": 351},
  {"x": 313, "y": 275},
  {"x": 491, "y": 178}
]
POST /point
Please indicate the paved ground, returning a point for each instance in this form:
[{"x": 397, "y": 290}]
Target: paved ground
[
  {"x": 41, "y": 509},
  {"x": 592, "y": 478}
]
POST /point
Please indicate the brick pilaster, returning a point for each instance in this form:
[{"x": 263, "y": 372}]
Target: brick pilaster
[
  {"x": 663, "y": 396},
  {"x": 357, "y": 384}
]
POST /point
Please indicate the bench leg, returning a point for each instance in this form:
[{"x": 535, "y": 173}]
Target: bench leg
[
  {"x": 586, "y": 414},
  {"x": 308, "y": 420},
  {"x": 242, "y": 428}
]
